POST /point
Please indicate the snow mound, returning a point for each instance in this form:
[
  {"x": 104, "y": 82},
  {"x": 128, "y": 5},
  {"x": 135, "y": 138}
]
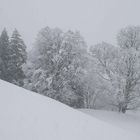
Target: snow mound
[
  {"x": 129, "y": 121},
  {"x": 25, "y": 115}
]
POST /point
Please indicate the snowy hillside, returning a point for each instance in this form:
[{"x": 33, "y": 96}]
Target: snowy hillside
[
  {"x": 129, "y": 121},
  {"x": 28, "y": 116}
]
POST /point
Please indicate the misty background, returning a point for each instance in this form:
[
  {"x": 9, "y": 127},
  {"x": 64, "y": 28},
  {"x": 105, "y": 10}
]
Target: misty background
[
  {"x": 97, "y": 20},
  {"x": 73, "y": 56}
]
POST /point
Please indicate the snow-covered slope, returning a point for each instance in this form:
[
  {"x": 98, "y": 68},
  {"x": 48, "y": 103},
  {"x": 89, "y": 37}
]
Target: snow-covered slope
[
  {"x": 129, "y": 121},
  {"x": 28, "y": 116}
]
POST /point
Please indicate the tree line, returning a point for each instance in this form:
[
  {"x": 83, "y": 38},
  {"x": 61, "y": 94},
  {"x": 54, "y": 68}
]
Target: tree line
[{"x": 62, "y": 66}]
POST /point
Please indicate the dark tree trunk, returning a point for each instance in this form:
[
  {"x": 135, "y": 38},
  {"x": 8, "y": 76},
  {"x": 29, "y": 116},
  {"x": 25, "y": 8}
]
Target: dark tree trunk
[{"x": 122, "y": 108}]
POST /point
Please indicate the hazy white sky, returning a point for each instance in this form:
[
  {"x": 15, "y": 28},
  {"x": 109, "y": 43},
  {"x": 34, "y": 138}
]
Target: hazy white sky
[{"x": 97, "y": 20}]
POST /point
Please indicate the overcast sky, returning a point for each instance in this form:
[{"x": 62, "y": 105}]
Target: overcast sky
[{"x": 97, "y": 20}]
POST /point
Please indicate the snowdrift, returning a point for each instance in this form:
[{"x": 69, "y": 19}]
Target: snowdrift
[
  {"x": 129, "y": 121},
  {"x": 25, "y": 115}
]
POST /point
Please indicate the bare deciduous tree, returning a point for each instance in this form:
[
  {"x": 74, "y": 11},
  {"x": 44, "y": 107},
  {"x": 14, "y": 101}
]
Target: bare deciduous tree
[{"x": 119, "y": 67}]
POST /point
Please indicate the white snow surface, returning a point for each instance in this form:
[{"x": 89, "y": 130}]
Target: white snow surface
[
  {"x": 129, "y": 121},
  {"x": 25, "y": 115}
]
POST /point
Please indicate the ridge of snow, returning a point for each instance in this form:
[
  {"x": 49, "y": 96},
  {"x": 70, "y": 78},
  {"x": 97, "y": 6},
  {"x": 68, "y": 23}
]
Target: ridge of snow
[
  {"x": 25, "y": 115},
  {"x": 129, "y": 121}
]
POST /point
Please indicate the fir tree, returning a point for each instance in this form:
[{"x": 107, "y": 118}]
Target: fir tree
[
  {"x": 18, "y": 56},
  {"x": 4, "y": 50}
]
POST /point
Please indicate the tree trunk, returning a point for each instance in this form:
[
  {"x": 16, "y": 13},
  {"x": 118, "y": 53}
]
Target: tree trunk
[
  {"x": 124, "y": 110},
  {"x": 122, "y": 107}
]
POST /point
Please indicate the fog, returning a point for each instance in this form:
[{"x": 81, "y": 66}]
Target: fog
[{"x": 97, "y": 20}]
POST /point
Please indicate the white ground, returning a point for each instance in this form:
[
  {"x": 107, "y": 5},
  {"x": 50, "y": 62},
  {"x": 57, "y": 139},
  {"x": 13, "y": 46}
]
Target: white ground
[
  {"x": 28, "y": 116},
  {"x": 129, "y": 121}
]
